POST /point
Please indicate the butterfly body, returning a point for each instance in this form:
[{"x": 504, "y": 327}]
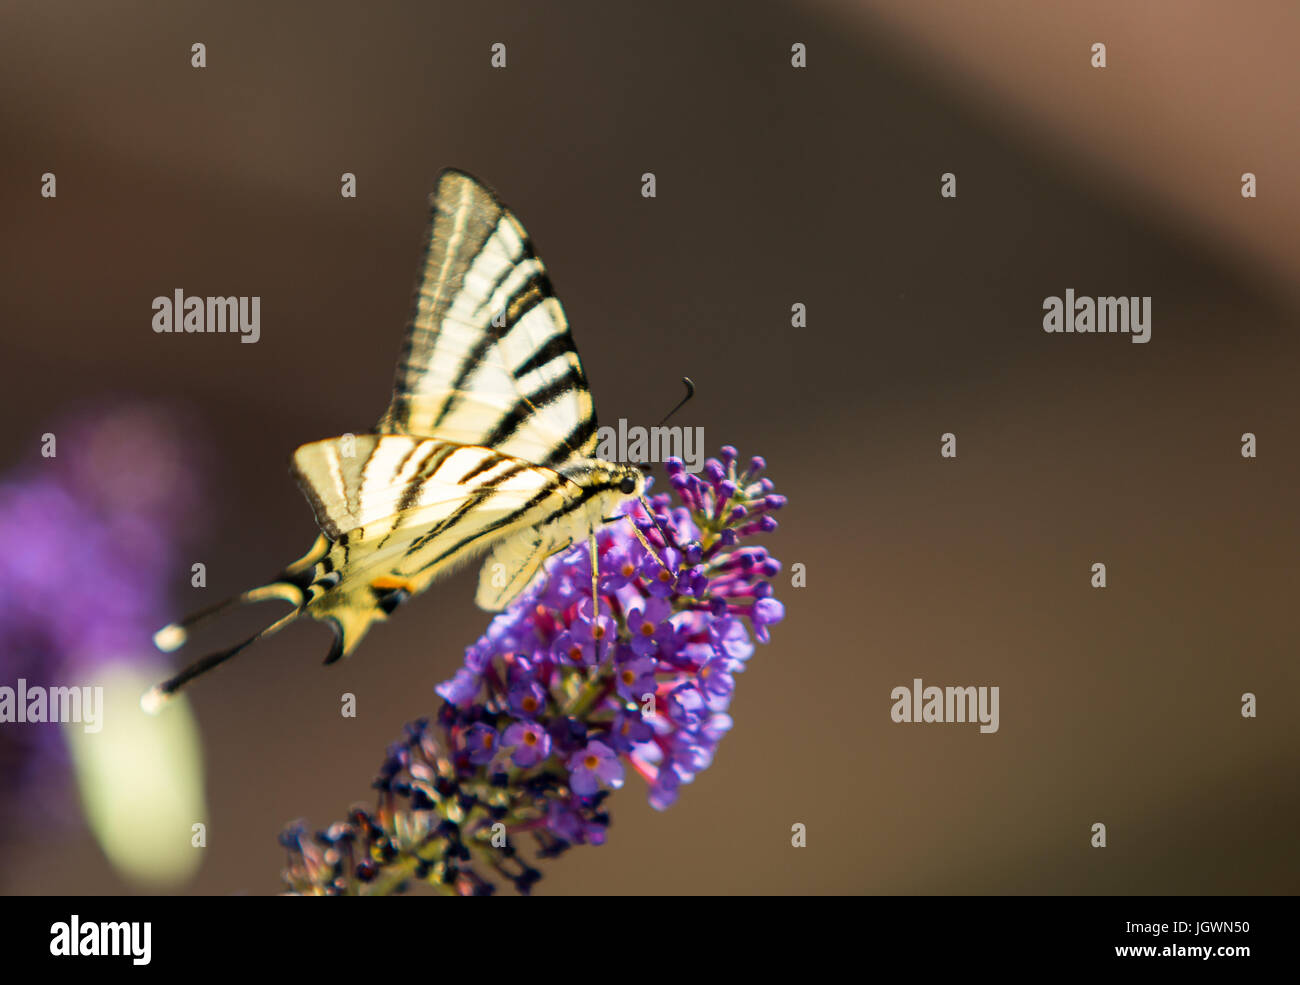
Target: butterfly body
[{"x": 487, "y": 445}]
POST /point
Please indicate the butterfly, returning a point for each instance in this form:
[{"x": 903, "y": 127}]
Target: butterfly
[{"x": 487, "y": 446}]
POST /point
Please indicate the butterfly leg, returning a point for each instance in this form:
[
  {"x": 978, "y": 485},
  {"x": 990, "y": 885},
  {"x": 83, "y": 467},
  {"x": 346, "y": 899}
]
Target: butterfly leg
[
  {"x": 595, "y": 592},
  {"x": 645, "y": 505}
]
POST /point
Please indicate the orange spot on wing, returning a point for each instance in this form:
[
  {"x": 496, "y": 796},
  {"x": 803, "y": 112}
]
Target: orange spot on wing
[{"x": 386, "y": 582}]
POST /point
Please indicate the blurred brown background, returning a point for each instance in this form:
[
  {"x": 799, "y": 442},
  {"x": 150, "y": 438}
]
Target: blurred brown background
[{"x": 775, "y": 185}]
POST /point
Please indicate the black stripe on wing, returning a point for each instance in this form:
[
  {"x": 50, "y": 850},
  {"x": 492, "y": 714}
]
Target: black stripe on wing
[
  {"x": 528, "y": 405},
  {"x": 552, "y": 348},
  {"x": 587, "y": 492},
  {"x": 528, "y": 296},
  {"x": 476, "y": 499}
]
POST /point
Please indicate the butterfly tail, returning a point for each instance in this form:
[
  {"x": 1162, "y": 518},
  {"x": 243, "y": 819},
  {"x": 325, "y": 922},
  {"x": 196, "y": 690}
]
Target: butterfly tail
[
  {"x": 154, "y": 699},
  {"x": 174, "y": 635},
  {"x": 349, "y": 629},
  {"x": 289, "y": 586}
]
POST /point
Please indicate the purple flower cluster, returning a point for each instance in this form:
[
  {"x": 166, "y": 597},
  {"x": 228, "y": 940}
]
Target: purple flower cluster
[{"x": 561, "y": 697}]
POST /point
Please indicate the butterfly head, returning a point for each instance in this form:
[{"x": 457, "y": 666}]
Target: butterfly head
[{"x": 608, "y": 485}]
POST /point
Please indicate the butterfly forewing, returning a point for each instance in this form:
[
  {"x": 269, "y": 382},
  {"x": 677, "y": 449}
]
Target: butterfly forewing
[{"x": 488, "y": 358}]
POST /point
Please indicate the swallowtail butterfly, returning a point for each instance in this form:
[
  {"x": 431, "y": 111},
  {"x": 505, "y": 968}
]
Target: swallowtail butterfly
[{"x": 487, "y": 446}]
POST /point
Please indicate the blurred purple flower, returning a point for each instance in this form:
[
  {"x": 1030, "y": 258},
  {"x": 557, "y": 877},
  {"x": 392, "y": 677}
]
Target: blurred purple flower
[
  {"x": 530, "y": 742},
  {"x": 481, "y": 743},
  {"x": 90, "y": 536},
  {"x": 594, "y": 767}
]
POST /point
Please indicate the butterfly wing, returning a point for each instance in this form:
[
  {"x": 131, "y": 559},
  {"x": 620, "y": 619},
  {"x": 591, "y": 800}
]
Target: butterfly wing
[
  {"x": 401, "y": 510},
  {"x": 488, "y": 358},
  {"x": 513, "y": 563},
  {"x": 371, "y": 489}
]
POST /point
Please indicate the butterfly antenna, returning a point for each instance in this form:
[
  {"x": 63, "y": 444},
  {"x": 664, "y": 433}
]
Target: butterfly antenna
[
  {"x": 156, "y": 697},
  {"x": 649, "y": 511},
  {"x": 645, "y": 503},
  {"x": 690, "y": 392}
]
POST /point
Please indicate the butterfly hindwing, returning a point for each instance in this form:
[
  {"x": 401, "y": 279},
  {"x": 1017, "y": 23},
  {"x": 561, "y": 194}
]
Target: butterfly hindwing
[
  {"x": 371, "y": 489},
  {"x": 488, "y": 357},
  {"x": 399, "y": 511},
  {"x": 514, "y": 562}
]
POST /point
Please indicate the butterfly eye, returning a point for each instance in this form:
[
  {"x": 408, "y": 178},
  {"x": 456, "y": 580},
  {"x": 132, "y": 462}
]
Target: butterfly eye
[{"x": 628, "y": 486}]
